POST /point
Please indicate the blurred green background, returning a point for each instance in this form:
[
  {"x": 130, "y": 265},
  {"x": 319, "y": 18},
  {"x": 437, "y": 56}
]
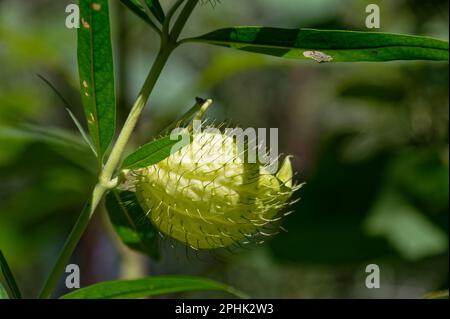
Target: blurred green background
[{"x": 369, "y": 139}]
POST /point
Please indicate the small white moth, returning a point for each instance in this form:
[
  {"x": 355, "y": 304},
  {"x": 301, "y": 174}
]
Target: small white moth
[{"x": 317, "y": 56}]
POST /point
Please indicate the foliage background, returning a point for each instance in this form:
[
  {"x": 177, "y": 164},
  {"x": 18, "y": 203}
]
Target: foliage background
[{"x": 370, "y": 140}]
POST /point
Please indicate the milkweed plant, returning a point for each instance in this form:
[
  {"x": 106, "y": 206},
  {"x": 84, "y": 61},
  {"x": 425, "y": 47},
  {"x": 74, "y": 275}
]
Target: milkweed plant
[{"x": 203, "y": 188}]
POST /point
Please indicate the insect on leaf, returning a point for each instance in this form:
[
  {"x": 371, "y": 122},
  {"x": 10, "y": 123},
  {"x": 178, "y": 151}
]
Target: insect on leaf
[
  {"x": 327, "y": 45},
  {"x": 96, "y": 71}
]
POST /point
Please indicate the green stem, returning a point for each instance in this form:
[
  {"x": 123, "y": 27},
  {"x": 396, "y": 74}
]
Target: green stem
[
  {"x": 106, "y": 181},
  {"x": 181, "y": 21},
  {"x": 170, "y": 14},
  {"x": 150, "y": 15},
  {"x": 124, "y": 136},
  {"x": 72, "y": 241},
  {"x": 106, "y": 175}
]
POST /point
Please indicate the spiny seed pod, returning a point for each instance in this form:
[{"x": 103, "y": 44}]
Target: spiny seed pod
[{"x": 207, "y": 196}]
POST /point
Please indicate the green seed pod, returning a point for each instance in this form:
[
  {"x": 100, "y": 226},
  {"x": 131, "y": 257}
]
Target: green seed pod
[{"x": 206, "y": 196}]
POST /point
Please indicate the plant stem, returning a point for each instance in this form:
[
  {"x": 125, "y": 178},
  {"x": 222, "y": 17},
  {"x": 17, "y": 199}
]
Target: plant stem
[
  {"x": 105, "y": 178},
  {"x": 119, "y": 147},
  {"x": 107, "y": 172},
  {"x": 170, "y": 14},
  {"x": 150, "y": 15},
  {"x": 181, "y": 21},
  {"x": 72, "y": 241}
]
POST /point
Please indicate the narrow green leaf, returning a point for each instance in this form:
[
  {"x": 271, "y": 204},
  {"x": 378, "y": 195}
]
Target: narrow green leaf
[
  {"x": 3, "y": 292},
  {"x": 155, "y": 151},
  {"x": 156, "y": 9},
  {"x": 196, "y": 111},
  {"x": 82, "y": 131},
  {"x": 9, "y": 277},
  {"x": 131, "y": 224},
  {"x": 72, "y": 116},
  {"x": 137, "y": 10},
  {"x": 95, "y": 65},
  {"x": 327, "y": 45},
  {"x": 50, "y": 135},
  {"x": 151, "y": 286},
  {"x": 67, "y": 144}
]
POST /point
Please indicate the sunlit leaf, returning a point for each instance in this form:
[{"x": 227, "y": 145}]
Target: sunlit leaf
[
  {"x": 95, "y": 64},
  {"x": 131, "y": 224},
  {"x": 327, "y": 45},
  {"x": 405, "y": 228},
  {"x": 151, "y": 286},
  {"x": 155, "y": 151}
]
